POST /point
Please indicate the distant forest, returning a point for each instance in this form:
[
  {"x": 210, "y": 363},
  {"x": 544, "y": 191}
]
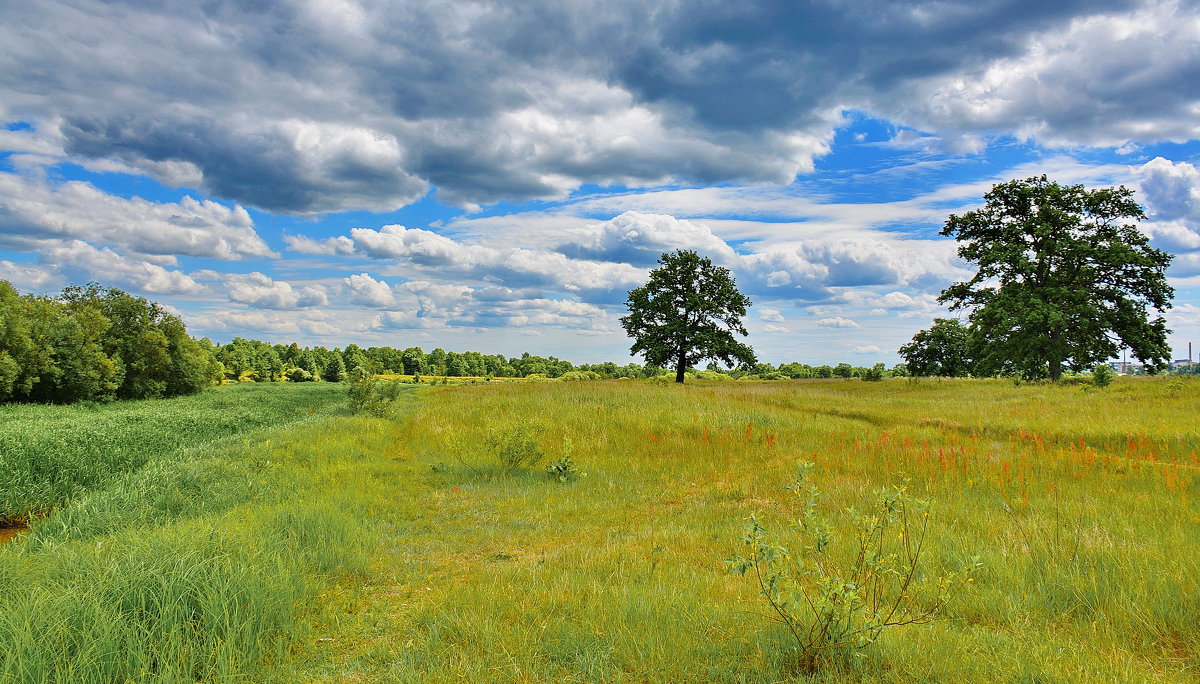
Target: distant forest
[{"x": 99, "y": 343}]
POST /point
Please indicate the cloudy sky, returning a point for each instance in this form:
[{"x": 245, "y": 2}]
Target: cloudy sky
[{"x": 496, "y": 176}]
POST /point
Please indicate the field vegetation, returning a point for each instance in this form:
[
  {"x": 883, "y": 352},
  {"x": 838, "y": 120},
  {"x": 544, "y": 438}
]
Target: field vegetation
[{"x": 434, "y": 544}]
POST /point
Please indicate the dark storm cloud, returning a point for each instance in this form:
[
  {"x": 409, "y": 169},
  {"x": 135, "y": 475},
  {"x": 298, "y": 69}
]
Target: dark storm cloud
[{"x": 310, "y": 107}]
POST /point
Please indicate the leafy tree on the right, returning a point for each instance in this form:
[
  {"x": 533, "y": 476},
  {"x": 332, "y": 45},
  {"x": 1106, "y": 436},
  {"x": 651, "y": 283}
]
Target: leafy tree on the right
[{"x": 1065, "y": 279}]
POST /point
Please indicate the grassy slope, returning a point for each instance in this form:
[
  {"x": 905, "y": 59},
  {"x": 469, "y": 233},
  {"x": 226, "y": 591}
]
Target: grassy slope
[
  {"x": 192, "y": 568},
  {"x": 51, "y": 454},
  {"x": 1090, "y": 574}
]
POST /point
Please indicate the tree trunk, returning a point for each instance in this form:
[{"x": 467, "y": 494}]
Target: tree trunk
[
  {"x": 1055, "y": 361},
  {"x": 1055, "y": 369},
  {"x": 681, "y": 367}
]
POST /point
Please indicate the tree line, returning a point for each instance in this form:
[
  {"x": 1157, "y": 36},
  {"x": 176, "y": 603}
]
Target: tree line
[{"x": 95, "y": 343}]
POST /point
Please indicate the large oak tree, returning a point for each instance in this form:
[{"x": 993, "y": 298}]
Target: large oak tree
[
  {"x": 687, "y": 313},
  {"x": 1065, "y": 279}
]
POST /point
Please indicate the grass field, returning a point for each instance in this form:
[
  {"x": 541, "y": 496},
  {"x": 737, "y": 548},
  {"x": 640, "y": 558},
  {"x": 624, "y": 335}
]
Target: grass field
[
  {"x": 368, "y": 549},
  {"x": 50, "y": 454}
]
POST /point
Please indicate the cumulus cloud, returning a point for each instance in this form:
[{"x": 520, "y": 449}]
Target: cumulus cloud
[
  {"x": 367, "y": 105},
  {"x": 29, "y": 277},
  {"x": 329, "y": 246},
  {"x": 33, "y": 208},
  {"x": 430, "y": 252},
  {"x": 836, "y": 322},
  {"x": 363, "y": 289},
  {"x": 1171, "y": 191},
  {"x": 771, "y": 315},
  {"x": 434, "y": 305},
  {"x": 275, "y": 326},
  {"x": 638, "y": 238},
  {"x": 1100, "y": 78},
  {"x": 80, "y": 262},
  {"x": 262, "y": 292}
]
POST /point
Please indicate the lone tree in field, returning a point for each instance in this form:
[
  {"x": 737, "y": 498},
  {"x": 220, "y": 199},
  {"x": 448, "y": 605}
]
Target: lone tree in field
[
  {"x": 1065, "y": 279},
  {"x": 687, "y": 313}
]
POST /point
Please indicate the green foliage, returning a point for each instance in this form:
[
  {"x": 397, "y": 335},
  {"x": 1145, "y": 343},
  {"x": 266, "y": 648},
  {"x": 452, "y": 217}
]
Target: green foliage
[
  {"x": 379, "y": 398},
  {"x": 298, "y": 375},
  {"x": 335, "y": 370},
  {"x": 93, "y": 343},
  {"x": 515, "y": 447},
  {"x": 875, "y": 373},
  {"x": 564, "y": 469},
  {"x": 1065, "y": 279},
  {"x": 1102, "y": 375},
  {"x": 687, "y": 313},
  {"x": 579, "y": 375},
  {"x": 942, "y": 350},
  {"x": 832, "y": 606}
]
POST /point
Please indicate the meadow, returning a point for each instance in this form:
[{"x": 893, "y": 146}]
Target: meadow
[{"x": 401, "y": 547}]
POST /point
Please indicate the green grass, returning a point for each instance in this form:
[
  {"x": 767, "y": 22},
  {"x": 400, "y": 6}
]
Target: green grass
[
  {"x": 1081, "y": 504},
  {"x": 52, "y": 454},
  {"x": 367, "y": 549},
  {"x": 197, "y": 567}
]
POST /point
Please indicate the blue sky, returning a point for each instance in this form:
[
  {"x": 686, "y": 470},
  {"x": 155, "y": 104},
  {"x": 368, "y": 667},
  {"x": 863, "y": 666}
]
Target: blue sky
[{"x": 496, "y": 176}]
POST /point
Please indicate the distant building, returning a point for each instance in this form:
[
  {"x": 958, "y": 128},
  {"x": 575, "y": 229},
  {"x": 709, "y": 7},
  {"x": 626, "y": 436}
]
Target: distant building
[{"x": 1126, "y": 368}]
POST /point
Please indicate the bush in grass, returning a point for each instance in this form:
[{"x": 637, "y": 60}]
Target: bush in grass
[
  {"x": 515, "y": 447},
  {"x": 834, "y": 604},
  {"x": 374, "y": 397},
  {"x": 564, "y": 469},
  {"x": 1102, "y": 376}
]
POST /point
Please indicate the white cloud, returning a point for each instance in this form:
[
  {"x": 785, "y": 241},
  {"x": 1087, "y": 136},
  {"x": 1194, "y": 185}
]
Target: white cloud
[
  {"x": 639, "y": 238},
  {"x": 1104, "y": 79},
  {"x": 262, "y": 292},
  {"x": 80, "y": 262},
  {"x": 363, "y": 289},
  {"x": 771, "y": 315},
  {"x": 329, "y": 246},
  {"x": 37, "y": 209},
  {"x": 29, "y": 277},
  {"x": 867, "y": 349},
  {"x": 775, "y": 328},
  {"x": 836, "y": 322}
]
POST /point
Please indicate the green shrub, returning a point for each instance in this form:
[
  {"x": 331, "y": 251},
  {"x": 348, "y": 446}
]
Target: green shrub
[
  {"x": 379, "y": 398},
  {"x": 579, "y": 375},
  {"x": 874, "y": 373},
  {"x": 515, "y": 447},
  {"x": 831, "y": 603},
  {"x": 1102, "y": 376},
  {"x": 564, "y": 469}
]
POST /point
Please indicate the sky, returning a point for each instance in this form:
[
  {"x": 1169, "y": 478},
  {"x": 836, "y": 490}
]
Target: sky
[{"x": 496, "y": 176}]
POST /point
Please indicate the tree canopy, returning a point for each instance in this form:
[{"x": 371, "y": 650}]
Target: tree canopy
[
  {"x": 943, "y": 350},
  {"x": 1065, "y": 279},
  {"x": 687, "y": 313},
  {"x": 94, "y": 343}
]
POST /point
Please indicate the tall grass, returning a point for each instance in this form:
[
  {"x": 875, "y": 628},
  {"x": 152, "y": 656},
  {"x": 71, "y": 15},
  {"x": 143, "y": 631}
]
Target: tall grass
[
  {"x": 195, "y": 568},
  {"x": 401, "y": 549},
  {"x": 51, "y": 454},
  {"x": 1082, "y": 506}
]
